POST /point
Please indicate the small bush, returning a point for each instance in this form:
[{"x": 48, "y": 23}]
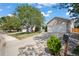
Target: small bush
[
  {"x": 54, "y": 45},
  {"x": 76, "y": 50}
]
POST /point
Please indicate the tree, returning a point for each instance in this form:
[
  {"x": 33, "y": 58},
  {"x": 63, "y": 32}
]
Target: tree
[
  {"x": 29, "y": 16},
  {"x": 75, "y": 12},
  {"x": 73, "y": 9},
  {"x": 10, "y": 23},
  {"x": 77, "y": 24}
]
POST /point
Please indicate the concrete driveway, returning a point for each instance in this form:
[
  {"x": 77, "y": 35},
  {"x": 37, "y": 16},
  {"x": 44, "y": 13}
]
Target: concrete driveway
[{"x": 11, "y": 44}]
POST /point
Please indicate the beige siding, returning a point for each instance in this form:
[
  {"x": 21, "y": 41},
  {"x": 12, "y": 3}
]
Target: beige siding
[{"x": 57, "y": 26}]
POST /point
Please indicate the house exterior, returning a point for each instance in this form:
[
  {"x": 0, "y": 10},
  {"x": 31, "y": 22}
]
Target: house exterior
[
  {"x": 60, "y": 25},
  {"x": 24, "y": 29}
]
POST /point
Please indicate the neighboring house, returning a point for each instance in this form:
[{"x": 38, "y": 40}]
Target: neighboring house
[
  {"x": 60, "y": 25},
  {"x": 24, "y": 29}
]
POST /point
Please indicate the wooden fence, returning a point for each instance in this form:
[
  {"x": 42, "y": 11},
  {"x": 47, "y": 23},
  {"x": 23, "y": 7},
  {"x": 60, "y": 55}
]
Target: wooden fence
[{"x": 75, "y": 30}]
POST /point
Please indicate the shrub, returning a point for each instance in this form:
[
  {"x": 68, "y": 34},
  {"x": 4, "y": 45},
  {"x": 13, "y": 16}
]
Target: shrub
[
  {"x": 54, "y": 45},
  {"x": 76, "y": 50}
]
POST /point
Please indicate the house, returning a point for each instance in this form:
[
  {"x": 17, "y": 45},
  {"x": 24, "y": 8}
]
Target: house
[
  {"x": 60, "y": 25},
  {"x": 29, "y": 29}
]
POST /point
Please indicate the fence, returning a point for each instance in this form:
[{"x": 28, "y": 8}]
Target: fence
[{"x": 75, "y": 30}]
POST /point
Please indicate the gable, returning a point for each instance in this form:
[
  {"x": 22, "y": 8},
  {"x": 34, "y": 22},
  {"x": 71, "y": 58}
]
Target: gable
[{"x": 57, "y": 21}]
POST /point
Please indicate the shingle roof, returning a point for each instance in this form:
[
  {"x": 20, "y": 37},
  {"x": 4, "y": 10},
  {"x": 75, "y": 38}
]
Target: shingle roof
[{"x": 60, "y": 19}]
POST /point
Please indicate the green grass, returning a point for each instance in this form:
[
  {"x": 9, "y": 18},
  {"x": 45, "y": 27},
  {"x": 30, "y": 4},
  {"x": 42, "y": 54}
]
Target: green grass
[{"x": 22, "y": 35}]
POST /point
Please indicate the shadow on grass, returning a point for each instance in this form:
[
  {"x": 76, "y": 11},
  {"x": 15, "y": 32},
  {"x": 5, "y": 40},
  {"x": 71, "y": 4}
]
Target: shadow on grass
[{"x": 22, "y": 33}]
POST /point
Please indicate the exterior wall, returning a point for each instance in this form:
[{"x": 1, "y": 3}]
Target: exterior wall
[
  {"x": 24, "y": 30},
  {"x": 57, "y": 28},
  {"x": 72, "y": 25},
  {"x": 58, "y": 24},
  {"x": 54, "y": 22}
]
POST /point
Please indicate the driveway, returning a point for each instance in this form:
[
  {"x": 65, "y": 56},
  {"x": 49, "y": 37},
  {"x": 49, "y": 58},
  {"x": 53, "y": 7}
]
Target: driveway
[{"x": 12, "y": 44}]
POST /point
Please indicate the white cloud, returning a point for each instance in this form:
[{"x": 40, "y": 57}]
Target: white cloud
[
  {"x": 67, "y": 13},
  {"x": 49, "y": 11},
  {"x": 44, "y": 14},
  {"x": 70, "y": 8},
  {"x": 47, "y": 4},
  {"x": 1, "y": 9},
  {"x": 10, "y": 15},
  {"x": 39, "y": 6}
]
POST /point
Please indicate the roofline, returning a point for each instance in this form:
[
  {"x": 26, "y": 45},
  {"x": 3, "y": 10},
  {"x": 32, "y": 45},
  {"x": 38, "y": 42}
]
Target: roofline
[{"x": 58, "y": 19}]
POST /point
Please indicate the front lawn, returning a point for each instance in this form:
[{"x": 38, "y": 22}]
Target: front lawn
[{"x": 22, "y": 35}]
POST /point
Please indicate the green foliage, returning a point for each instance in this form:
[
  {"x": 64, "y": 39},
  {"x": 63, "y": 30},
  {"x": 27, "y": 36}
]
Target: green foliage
[
  {"x": 25, "y": 15},
  {"x": 54, "y": 45},
  {"x": 76, "y": 50},
  {"x": 73, "y": 9},
  {"x": 10, "y": 23},
  {"x": 30, "y": 15},
  {"x": 77, "y": 24}
]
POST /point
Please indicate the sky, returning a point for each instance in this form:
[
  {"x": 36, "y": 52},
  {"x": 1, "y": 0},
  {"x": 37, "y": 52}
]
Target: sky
[{"x": 49, "y": 11}]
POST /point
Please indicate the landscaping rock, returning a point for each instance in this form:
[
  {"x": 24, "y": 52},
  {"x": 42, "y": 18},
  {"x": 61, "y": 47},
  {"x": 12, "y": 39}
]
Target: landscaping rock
[{"x": 36, "y": 50}]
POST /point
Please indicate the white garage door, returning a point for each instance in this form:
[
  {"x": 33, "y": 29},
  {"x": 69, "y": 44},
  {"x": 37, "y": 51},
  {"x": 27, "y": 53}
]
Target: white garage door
[{"x": 58, "y": 28}]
